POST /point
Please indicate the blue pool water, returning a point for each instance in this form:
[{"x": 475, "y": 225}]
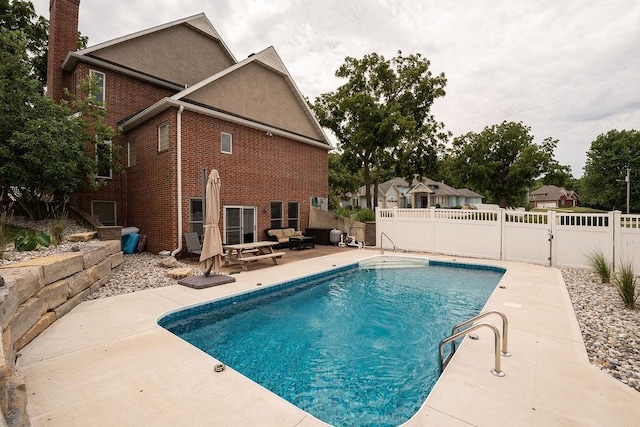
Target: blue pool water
[{"x": 356, "y": 347}]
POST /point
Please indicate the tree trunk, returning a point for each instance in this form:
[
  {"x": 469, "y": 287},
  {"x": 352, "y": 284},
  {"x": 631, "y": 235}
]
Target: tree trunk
[{"x": 366, "y": 175}]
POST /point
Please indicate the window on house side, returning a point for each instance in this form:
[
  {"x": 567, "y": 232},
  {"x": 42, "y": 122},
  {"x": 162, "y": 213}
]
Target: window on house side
[
  {"x": 104, "y": 211},
  {"x": 132, "y": 155},
  {"x": 195, "y": 216},
  {"x": 163, "y": 137},
  {"x": 103, "y": 160},
  {"x": 293, "y": 215},
  {"x": 276, "y": 214},
  {"x": 99, "y": 89},
  {"x": 226, "y": 143}
]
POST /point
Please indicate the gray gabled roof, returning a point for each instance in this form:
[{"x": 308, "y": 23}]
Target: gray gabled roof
[
  {"x": 200, "y": 22},
  {"x": 269, "y": 58},
  {"x": 468, "y": 193},
  {"x": 436, "y": 188},
  {"x": 551, "y": 193}
]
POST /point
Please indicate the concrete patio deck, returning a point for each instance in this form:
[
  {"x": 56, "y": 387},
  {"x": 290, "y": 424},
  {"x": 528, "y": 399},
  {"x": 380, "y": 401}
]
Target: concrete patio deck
[{"x": 107, "y": 362}]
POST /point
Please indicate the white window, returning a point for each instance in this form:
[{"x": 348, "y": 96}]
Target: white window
[
  {"x": 131, "y": 153},
  {"x": 163, "y": 137},
  {"x": 226, "y": 141},
  {"x": 104, "y": 211},
  {"x": 99, "y": 79},
  {"x": 103, "y": 160},
  {"x": 276, "y": 214}
]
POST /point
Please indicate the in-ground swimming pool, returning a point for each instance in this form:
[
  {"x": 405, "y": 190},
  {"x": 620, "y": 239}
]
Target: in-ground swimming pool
[{"x": 353, "y": 346}]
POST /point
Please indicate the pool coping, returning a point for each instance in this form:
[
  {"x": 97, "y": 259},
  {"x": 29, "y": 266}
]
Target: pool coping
[{"x": 108, "y": 362}]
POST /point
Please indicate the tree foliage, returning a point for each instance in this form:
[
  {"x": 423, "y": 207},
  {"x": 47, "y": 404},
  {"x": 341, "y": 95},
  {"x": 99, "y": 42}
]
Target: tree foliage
[
  {"x": 19, "y": 15},
  {"x": 501, "y": 162},
  {"x": 341, "y": 180},
  {"x": 382, "y": 114},
  {"x": 609, "y": 156},
  {"x": 46, "y": 150}
]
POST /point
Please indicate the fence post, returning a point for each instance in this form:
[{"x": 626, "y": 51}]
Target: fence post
[
  {"x": 614, "y": 235},
  {"x": 551, "y": 221},
  {"x": 432, "y": 217},
  {"x": 503, "y": 233}
]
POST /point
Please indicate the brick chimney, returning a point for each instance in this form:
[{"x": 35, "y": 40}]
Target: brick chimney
[{"x": 63, "y": 38}]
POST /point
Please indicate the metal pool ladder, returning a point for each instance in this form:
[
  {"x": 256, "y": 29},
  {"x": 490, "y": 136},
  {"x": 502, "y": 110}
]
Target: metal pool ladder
[
  {"x": 389, "y": 239},
  {"x": 497, "y": 352}
]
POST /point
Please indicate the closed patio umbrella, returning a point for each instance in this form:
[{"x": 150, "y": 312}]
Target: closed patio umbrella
[{"x": 212, "y": 244}]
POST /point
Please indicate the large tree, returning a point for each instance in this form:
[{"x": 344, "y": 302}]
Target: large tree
[
  {"x": 19, "y": 15},
  {"x": 341, "y": 180},
  {"x": 383, "y": 112},
  {"x": 502, "y": 161},
  {"x": 604, "y": 180},
  {"x": 46, "y": 150}
]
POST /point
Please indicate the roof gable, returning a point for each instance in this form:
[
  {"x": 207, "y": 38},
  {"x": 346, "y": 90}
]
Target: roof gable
[
  {"x": 260, "y": 89},
  {"x": 185, "y": 51}
]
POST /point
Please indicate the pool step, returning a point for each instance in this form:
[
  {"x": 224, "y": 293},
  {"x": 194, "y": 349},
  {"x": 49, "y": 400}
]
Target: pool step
[{"x": 393, "y": 262}]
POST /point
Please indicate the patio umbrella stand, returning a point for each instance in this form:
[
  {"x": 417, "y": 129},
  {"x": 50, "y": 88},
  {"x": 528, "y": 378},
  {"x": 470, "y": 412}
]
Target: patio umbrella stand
[{"x": 210, "y": 257}]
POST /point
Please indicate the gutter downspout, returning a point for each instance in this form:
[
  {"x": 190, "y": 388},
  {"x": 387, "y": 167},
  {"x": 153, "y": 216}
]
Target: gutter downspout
[{"x": 179, "y": 177}]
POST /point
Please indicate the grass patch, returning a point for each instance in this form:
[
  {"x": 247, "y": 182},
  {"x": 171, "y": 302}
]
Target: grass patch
[
  {"x": 600, "y": 265},
  {"x": 626, "y": 283}
]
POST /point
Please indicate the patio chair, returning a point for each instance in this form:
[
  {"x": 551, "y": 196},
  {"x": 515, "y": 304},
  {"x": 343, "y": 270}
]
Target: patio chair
[{"x": 194, "y": 247}]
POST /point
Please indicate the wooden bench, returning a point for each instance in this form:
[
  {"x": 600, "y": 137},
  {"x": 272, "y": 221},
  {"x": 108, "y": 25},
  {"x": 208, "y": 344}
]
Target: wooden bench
[{"x": 245, "y": 260}]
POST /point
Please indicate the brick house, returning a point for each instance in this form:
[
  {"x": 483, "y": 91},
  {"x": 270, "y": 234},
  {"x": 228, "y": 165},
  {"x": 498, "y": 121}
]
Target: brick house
[
  {"x": 185, "y": 106},
  {"x": 551, "y": 196}
]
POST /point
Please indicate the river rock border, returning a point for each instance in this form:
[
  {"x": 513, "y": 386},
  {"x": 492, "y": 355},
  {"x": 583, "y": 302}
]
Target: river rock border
[{"x": 33, "y": 295}]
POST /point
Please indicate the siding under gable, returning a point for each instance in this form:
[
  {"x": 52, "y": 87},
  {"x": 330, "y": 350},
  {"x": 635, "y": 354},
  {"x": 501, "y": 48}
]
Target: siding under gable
[
  {"x": 178, "y": 54},
  {"x": 260, "y": 94}
]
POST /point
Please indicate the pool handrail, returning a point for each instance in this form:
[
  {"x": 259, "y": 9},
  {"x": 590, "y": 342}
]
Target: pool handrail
[
  {"x": 496, "y": 370},
  {"x": 388, "y": 238},
  {"x": 505, "y": 329}
]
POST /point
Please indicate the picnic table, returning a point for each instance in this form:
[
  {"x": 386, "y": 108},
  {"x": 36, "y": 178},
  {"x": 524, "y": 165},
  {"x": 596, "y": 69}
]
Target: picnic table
[{"x": 244, "y": 253}]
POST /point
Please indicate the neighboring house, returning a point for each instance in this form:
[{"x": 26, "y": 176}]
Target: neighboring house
[
  {"x": 550, "y": 196},
  {"x": 398, "y": 193},
  {"x": 185, "y": 106}
]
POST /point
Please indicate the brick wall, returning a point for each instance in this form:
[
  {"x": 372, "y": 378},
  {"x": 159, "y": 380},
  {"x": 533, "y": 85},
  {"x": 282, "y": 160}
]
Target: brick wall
[
  {"x": 125, "y": 96},
  {"x": 63, "y": 38},
  {"x": 261, "y": 169}
]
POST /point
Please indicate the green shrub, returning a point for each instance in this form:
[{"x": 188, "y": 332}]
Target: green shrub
[
  {"x": 626, "y": 284},
  {"x": 364, "y": 215},
  {"x": 4, "y": 230},
  {"x": 25, "y": 241},
  {"x": 57, "y": 231},
  {"x": 599, "y": 263}
]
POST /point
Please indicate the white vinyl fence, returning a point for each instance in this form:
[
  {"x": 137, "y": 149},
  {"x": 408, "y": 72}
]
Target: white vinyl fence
[{"x": 551, "y": 238}]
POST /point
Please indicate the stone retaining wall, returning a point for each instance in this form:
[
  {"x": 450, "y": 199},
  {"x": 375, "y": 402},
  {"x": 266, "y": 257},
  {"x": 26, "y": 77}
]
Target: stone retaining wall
[{"x": 35, "y": 294}]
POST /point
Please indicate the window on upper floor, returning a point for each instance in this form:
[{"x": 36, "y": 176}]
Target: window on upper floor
[
  {"x": 226, "y": 143},
  {"x": 98, "y": 91},
  {"x": 131, "y": 153},
  {"x": 163, "y": 137}
]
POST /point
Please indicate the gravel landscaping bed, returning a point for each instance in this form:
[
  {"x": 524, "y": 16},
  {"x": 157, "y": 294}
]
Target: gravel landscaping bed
[{"x": 610, "y": 332}]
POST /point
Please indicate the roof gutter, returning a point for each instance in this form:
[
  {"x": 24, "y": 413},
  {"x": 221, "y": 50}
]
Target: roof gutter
[
  {"x": 166, "y": 103},
  {"x": 179, "y": 178}
]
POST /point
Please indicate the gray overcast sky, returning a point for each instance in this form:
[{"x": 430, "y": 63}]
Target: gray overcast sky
[{"x": 569, "y": 69}]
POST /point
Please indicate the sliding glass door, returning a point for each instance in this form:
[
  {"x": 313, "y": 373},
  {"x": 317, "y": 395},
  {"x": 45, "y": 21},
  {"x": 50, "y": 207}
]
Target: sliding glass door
[{"x": 239, "y": 224}]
